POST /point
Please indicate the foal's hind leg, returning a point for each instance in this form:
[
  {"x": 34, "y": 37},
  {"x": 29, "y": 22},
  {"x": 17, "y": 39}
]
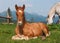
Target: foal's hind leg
[{"x": 46, "y": 32}]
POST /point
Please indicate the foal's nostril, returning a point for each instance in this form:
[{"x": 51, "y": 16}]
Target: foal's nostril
[
  {"x": 20, "y": 22},
  {"x": 20, "y": 11}
]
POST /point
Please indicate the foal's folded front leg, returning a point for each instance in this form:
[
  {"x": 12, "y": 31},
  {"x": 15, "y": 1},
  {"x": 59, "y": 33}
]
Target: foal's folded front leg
[
  {"x": 17, "y": 31},
  {"x": 46, "y": 32}
]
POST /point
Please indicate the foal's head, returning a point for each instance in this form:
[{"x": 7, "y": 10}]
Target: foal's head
[{"x": 20, "y": 13}]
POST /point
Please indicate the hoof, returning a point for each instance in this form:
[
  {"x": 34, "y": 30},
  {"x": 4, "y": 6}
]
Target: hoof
[
  {"x": 43, "y": 37},
  {"x": 16, "y": 38},
  {"x": 22, "y": 37}
]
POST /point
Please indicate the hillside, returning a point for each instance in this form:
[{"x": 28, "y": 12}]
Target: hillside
[{"x": 30, "y": 17}]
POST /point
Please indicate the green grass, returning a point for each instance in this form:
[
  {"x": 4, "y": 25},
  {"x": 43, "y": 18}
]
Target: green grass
[{"x": 7, "y": 31}]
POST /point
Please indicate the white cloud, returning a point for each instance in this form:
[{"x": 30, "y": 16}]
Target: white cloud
[
  {"x": 28, "y": 5},
  {"x": 22, "y": 0},
  {"x": 26, "y": 2}
]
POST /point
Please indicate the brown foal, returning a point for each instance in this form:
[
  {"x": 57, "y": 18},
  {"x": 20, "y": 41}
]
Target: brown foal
[{"x": 24, "y": 28}]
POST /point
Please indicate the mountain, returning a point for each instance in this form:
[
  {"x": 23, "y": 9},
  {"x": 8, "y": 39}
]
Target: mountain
[
  {"x": 30, "y": 17},
  {"x": 33, "y": 17}
]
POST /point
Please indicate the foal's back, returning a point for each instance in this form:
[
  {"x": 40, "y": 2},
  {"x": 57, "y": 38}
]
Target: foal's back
[{"x": 34, "y": 29}]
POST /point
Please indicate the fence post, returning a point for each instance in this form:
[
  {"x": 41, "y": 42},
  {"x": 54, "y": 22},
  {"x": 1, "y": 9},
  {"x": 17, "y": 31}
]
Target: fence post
[{"x": 8, "y": 15}]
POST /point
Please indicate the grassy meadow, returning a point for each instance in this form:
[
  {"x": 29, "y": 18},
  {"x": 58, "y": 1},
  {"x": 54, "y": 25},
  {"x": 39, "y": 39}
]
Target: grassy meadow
[{"x": 7, "y": 31}]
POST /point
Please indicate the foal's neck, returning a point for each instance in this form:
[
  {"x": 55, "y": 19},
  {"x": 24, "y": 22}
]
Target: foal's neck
[
  {"x": 22, "y": 26},
  {"x": 24, "y": 21}
]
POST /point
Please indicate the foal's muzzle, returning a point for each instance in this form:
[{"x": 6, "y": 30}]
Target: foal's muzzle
[{"x": 20, "y": 23}]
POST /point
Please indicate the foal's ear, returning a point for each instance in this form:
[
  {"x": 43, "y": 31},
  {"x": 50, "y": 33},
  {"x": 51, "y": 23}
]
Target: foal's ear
[
  {"x": 16, "y": 6},
  {"x": 23, "y": 6}
]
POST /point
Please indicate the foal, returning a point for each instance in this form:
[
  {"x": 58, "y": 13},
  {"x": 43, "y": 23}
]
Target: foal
[{"x": 28, "y": 30}]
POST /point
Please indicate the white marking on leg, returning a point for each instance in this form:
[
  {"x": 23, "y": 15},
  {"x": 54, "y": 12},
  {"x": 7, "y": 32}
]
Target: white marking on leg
[
  {"x": 48, "y": 34},
  {"x": 34, "y": 37}
]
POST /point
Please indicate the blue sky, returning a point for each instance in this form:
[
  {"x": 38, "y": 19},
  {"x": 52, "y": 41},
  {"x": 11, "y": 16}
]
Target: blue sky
[{"x": 40, "y": 7}]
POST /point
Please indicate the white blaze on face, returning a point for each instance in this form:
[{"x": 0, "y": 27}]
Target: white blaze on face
[{"x": 20, "y": 11}]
